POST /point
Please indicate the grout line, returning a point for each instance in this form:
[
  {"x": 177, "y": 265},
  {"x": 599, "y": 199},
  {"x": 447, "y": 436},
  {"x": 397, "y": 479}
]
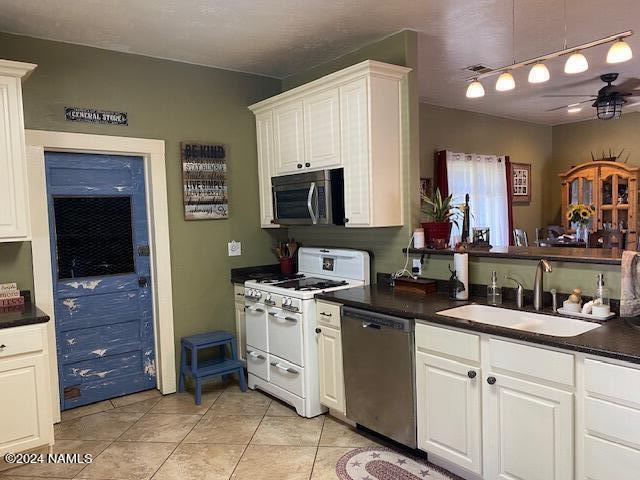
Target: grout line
[
  {"x": 251, "y": 439},
  {"x": 315, "y": 457}
]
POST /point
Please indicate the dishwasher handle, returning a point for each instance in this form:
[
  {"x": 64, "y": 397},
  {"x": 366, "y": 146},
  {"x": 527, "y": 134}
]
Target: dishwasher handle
[{"x": 376, "y": 320}]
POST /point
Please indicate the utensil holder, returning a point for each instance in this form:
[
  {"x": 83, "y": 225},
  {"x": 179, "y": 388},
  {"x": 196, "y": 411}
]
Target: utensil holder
[{"x": 286, "y": 265}]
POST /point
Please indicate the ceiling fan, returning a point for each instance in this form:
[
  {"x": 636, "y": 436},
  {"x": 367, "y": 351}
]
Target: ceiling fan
[{"x": 610, "y": 98}]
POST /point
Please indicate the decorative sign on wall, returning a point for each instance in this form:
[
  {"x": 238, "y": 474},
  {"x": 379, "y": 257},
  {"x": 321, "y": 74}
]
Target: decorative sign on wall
[
  {"x": 77, "y": 114},
  {"x": 521, "y": 174},
  {"x": 204, "y": 179}
]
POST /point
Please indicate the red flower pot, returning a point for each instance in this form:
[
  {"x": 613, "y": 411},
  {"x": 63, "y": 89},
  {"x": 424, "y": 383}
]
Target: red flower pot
[{"x": 437, "y": 231}]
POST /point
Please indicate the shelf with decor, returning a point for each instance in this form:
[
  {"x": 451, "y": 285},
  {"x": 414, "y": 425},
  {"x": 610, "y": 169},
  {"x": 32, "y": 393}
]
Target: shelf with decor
[{"x": 612, "y": 188}]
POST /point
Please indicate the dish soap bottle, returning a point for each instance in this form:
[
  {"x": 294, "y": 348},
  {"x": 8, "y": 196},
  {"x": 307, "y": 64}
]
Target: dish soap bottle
[{"x": 494, "y": 292}]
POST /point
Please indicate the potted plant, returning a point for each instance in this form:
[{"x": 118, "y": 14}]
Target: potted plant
[
  {"x": 580, "y": 216},
  {"x": 442, "y": 214}
]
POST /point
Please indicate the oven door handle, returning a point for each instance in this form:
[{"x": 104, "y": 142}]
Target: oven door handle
[{"x": 314, "y": 217}]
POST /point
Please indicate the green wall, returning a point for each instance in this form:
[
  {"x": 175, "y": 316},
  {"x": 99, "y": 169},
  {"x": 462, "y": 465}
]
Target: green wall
[
  {"x": 461, "y": 131},
  {"x": 174, "y": 102},
  {"x": 573, "y": 144},
  {"x": 386, "y": 244}
]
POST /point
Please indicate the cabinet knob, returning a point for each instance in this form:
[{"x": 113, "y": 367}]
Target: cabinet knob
[
  {"x": 491, "y": 380},
  {"x": 273, "y": 221},
  {"x": 3, "y": 346},
  {"x": 307, "y": 164},
  {"x": 299, "y": 165},
  {"x": 471, "y": 374},
  {"x": 318, "y": 330},
  {"x": 346, "y": 220}
]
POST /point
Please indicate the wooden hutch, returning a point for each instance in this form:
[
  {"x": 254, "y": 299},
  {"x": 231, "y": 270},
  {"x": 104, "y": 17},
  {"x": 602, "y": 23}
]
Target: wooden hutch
[{"x": 612, "y": 188}]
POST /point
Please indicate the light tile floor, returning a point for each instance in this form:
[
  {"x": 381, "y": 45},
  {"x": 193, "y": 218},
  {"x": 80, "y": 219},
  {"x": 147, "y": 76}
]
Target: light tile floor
[{"x": 232, "y": 435}]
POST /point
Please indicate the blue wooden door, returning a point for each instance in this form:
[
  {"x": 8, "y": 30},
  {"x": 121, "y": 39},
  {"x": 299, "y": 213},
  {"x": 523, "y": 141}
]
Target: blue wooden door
[{"x": 101, "y": 276}]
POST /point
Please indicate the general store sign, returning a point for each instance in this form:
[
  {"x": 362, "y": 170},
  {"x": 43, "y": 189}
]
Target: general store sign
[{"x": 77, "y": 114}]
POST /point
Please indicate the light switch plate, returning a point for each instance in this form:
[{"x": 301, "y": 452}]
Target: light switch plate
[
  {"x": 235, "y": 248},
  {"x": 416, "y": 267}
]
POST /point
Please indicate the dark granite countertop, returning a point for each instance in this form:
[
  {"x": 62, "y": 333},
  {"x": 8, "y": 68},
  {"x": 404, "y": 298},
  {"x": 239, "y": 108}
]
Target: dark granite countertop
[
  {"x": 617, "y": 338},
  {"x": 241, "y": 275},
  {"x": 28, "y": 314},
  {"x": 598, "y": 256}
]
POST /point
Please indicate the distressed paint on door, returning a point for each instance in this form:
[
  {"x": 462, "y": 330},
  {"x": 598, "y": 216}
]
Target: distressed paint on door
[{"x": 104, "y": 324}]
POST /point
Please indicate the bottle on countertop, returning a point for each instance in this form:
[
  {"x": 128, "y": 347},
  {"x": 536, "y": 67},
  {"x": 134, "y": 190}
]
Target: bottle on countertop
[
  {"x": 601, "y": 298},
  {"x": 494, "y": 292}
]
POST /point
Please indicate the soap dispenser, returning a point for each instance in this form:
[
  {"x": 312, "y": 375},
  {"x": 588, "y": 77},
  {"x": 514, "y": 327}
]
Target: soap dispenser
[
  {"x": 494, "y": 292},
  {"x": 601, "y": 298}
]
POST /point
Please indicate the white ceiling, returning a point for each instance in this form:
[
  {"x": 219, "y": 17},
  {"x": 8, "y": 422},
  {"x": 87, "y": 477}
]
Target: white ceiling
[{"x": 281, "y": 37}]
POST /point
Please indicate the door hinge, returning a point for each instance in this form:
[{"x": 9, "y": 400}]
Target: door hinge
[{"x": 143, "y": 251}]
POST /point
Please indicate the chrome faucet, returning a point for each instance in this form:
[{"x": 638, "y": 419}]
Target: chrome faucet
[{"x": 538, "y": 289}]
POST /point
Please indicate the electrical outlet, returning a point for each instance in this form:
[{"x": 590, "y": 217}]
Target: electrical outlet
[
  {"x": 235, "y": 248},
  {"x": 416, "y": 267}
]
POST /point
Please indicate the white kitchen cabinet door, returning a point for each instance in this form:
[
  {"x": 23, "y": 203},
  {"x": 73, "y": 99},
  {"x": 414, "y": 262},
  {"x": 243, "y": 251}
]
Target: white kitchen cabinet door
[
  {"x": 264, "y": 131},
  {"x": 25, "y": 403},
  {"x": 322, "y": 130},
  {"x": 528, "y": 430},
  {"x": 14, "y": 210},
  {"x": 355, "y": 152},
  {"x": 330, "y": 369},
  {"x": 288, "y": 127},
  {"x": 449, "y": 410},
  {"x": 241, "y": 330}
]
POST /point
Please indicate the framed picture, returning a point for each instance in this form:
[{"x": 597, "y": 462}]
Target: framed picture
[
  {"x": 426, "y": 187},
  {"x": 204, "y": 181},
  {"x": 521, "y": 182}
]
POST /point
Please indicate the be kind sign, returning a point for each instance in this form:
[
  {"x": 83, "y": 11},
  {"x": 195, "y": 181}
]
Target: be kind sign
[{"x": 204, "y": 181}]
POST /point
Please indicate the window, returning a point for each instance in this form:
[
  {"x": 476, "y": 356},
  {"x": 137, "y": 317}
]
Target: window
[
  {"x": 484, "y": 178},
  {"x": 93, "y": 236}
]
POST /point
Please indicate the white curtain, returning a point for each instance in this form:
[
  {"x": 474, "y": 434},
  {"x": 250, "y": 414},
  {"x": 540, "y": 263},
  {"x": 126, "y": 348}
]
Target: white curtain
[{"x": 484, "y": 178}]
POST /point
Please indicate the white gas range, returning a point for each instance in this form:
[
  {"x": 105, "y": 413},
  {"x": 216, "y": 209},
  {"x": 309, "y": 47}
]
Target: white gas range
[{"x": 282, "y": 349}]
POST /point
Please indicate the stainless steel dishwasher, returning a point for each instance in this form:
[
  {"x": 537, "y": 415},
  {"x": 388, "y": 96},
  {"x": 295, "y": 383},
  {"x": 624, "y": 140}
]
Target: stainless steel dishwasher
[{"x": 379, "y": 373}]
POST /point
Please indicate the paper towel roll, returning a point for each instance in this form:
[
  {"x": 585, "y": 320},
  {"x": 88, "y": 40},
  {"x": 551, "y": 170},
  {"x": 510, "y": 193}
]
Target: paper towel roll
[{"x": 461, "y": 265}]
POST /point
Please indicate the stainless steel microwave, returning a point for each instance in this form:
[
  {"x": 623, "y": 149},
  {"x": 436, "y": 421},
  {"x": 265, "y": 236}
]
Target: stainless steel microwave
[{"x": 312, "y": 198}]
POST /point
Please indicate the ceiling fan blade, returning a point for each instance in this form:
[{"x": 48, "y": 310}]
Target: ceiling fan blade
[
  {"x": 556, "y": 96},
  {"x": 629, "y": 85},
  {"x": 569, "y": 106}
]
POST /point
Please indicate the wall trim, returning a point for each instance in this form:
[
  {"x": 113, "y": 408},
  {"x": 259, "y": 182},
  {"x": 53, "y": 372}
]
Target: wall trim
[{"x": 153, "y": 153}]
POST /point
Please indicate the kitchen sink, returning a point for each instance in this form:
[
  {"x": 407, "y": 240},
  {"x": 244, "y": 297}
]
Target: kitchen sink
[{"x": 521, "y": 320}]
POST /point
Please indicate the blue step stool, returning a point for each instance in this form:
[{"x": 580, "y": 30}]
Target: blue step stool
[{"x": 215, "y": 367}]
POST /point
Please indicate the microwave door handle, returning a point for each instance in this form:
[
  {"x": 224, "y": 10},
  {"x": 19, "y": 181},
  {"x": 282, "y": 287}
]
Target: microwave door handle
[{"x": 314, "y": 218}]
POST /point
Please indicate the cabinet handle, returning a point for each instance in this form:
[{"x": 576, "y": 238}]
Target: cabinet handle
[
  {"x": 318, "y": 330},
  {"x": 240, "y": 294},
  {"x": 307, "y": 164},
  {"x": 471, "y": 374},
  {"x": 325, "y": 314},
  {"x": 491, "y": 380},
  {"x": 299, "y": 165}
]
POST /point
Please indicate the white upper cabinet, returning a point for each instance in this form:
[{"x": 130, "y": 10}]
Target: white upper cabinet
[
  {"x": 288, "y": 138},
  {"x": 264, "y": 131},
  {"x": 350, "y": 119},
  {"x": 14, "y": 207},
  {"x": 322, "y": 130}
]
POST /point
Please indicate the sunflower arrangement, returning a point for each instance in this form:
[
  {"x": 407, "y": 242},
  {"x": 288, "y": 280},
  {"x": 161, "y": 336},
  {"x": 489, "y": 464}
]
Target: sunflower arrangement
[{"x": 580, "y": 213}]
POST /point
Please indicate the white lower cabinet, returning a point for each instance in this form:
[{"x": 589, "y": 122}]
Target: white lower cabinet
[
  {"x": 504, "y": 411},
  {"x": 449, "y": 410},
  {"x": 330, "y": 368},
  {"x": 528, "y": 430},
  {"x": 25, "y": 400},
  {"x": 609, "y": 422}
]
